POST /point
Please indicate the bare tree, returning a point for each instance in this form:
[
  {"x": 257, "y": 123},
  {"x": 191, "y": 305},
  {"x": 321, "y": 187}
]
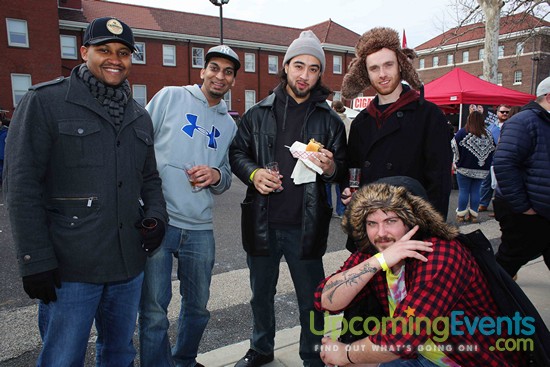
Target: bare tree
[{"x": 490, "y": 13}]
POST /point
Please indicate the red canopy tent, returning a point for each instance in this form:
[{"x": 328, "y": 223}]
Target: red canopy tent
[{"x": 458, "y": 87}]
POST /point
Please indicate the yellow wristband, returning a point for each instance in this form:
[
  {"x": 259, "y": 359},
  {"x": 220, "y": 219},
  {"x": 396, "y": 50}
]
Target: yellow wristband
[
  {"x": 380, "y": 257},
  {"x": 252, "y": 175}
]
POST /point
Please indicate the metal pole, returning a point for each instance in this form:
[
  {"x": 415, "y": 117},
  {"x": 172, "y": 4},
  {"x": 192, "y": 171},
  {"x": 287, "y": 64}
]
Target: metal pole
[{"x": 221, "y": 24}]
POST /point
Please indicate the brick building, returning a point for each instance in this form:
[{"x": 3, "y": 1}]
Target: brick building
[
  {"x": 524, "y": 52},
  {"x": 41, "y": 41}
]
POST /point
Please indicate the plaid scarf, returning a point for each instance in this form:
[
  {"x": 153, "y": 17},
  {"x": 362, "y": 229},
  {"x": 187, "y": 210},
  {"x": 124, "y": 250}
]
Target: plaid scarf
[{"x": 113, "y": 99}]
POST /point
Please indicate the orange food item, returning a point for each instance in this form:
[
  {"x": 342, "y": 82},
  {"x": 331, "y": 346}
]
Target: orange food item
[{"x": 313, "y": 146}]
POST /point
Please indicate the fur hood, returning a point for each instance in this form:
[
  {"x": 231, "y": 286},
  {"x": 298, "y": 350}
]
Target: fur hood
[
  {"x": 357, "y": 78},
  {"x": 410, "y": 208}
]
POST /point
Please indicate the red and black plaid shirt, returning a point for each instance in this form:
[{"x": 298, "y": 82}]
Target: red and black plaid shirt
[{"x": 450, "y": 281}]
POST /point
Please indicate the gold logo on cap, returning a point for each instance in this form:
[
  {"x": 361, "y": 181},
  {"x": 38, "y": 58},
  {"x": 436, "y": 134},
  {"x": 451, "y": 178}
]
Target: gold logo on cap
[{"x": 114, "y": 27}]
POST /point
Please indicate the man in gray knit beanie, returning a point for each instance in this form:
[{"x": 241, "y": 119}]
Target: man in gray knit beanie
[
  {"x": 306, "y": 44},
  {"x": 296, "y": 111}
]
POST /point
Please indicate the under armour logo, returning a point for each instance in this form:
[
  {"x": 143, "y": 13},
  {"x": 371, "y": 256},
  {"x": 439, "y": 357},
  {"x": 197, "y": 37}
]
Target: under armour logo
[{"x": 192, "y": 127}]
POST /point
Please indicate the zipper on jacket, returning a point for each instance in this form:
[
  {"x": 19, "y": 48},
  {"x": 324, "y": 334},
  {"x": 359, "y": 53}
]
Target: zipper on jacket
[{"x": 89, "y": 200}]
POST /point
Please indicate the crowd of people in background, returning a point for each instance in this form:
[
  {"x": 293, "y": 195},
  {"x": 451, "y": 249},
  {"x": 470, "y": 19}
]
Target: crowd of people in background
[{"x": 104, "y": 194}]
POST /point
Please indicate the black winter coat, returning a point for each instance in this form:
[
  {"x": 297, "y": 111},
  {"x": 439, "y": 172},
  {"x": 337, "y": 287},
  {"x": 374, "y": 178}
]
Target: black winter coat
[
  {"x": 254, "y": 146},
  {"x": 413, "y": 141}
]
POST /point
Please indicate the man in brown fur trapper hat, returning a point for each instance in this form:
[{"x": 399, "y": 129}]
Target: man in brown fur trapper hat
[
  {"x": 419, "y": 271},
  {"x": 399, "y": 133}
]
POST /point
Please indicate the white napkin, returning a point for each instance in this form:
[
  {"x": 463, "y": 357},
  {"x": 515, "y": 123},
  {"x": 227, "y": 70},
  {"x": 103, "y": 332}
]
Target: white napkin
[{"x": 304, "y": 170}]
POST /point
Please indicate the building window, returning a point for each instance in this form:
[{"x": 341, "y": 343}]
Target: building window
[
  {"x": 18, "y": 36},
  {"x": 337, "y": 95},
  {"x": 138, "y": 57},
  {"x": 466, "y": 56},
  {"x": 421, "y": 64},
  {"x": 249, "y": 99},
  {"x": 168, "y": 55},
  {"x": 337, "y": 64},
  {"x": 20, "y": 84},
  {"x": 450, "y": 59},
  {"x": 272, "y": 64},
  {"x": 139, "y": 92},
  {"x": 435, "y": 61},
  {"x": 227, "y": 99},
  {"x": 249, "y": 62},
  {"x": 68, "y": 47},
  {"x": 518, "y": 77},
  {"x": 520, "y": 46},
  {"x": 500, "y": 51},
  {"x": 198, "y": 57},
  {"x": 481, "y": 53},
  {"x": 499, "y": 79}
]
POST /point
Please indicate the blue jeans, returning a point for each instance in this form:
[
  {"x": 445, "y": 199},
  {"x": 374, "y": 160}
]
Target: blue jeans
[
  {"x": 419, "y": 362},
  {"x": 340, "y": 208},
  {"x": 195, "y": 251},
  {"x": 486, "y": 192},
  {"x": 468, "y": 191},
  {"x": 306, "y": 275},
  {"x": 66, "y": 323}
]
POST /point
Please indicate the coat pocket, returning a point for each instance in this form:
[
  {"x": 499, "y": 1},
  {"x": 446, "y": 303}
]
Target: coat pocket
[
  {"x": 254, "y": 229},
  {"x": 81, "y": 143}
]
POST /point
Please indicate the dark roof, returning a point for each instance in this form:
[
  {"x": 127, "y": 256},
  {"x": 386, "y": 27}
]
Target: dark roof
[
  {"x": 163, "y": 20},
  {"x": 514, "y": 23}
]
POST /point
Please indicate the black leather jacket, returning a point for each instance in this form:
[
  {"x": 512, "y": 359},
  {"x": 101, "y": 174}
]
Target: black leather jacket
[{"x": 253, "y": 147}]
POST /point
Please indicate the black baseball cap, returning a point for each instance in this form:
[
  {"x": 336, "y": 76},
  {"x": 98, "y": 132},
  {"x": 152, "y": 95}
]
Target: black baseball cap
[
  {"x": 108, "y": 29},
  {"x": 225, "y": 52}
]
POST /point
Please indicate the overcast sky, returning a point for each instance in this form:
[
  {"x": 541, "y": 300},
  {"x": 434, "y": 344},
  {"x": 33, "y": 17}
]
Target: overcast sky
[{"x": 421, "y": 19}]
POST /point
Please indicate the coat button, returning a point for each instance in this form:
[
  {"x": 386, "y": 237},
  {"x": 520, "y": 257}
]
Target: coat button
[
  {"x": 366, "y": 164},
  {"x": 389, "y": 166},
  {"x": 80, "y": 131},
  {"x": 399, "y": 114},
  {"x": 27, "y": 258}
]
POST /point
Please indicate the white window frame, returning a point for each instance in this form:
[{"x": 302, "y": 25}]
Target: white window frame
[
  {"x": 249, "y": 98},
  {"x": 435, "y": 61},
  {"x": 465, "y": 56},
  {"x": 227, "y": 99},
  {"x": 197, "y": 57},
  {"x": 68, "y": 43},
  {"x": 249, "y": 62},
  {"x": 499, "y": 79},
  {"x": 139, "y": 56},
  {"x": 450, "y": 59},
  {"x": 20, "y": 84},
  {"x": 421, "y": 63},
  {"x": 136, "y": 91},
  {"x": 500, "y": 51},
  {"x": 337, "y": 95},
  {"x": 22, "y": 32},
  {"x": 272, "y": 64},
  {"x": 337, "y": 64},
  {"x": 481, "y": 53},
  {"x": 518, "y": 77},
  {"x": 168, "y": 55}
]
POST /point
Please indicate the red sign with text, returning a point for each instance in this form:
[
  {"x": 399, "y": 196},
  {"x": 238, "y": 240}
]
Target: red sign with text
[{"x": 361, "y": 103}]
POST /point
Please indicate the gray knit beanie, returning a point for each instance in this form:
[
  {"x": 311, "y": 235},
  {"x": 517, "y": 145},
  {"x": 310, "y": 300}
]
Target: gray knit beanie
[{"x": 306, "y": 44}]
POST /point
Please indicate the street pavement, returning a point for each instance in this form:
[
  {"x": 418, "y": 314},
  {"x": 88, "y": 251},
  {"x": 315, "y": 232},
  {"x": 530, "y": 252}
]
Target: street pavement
[{"x": 226, "y": 337}]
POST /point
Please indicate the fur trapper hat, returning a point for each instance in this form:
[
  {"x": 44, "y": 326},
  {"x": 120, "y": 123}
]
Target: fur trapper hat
[
  {"x": 357, "y": 78},
  {"x": 411, "y": 209}
]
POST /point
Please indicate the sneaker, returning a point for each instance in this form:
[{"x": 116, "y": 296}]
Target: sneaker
[
  {"x": 336, "y": 215},
  {"x": 254, "y": 359}
]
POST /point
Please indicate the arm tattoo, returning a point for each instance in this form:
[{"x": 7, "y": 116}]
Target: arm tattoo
[{"x": 349, "y": 279}]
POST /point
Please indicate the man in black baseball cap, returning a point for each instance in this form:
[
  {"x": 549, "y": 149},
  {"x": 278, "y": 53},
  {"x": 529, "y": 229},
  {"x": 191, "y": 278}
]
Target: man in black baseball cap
[
  {"x": 93, "y": 140},
  {"x": 108, "y": 29}
]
